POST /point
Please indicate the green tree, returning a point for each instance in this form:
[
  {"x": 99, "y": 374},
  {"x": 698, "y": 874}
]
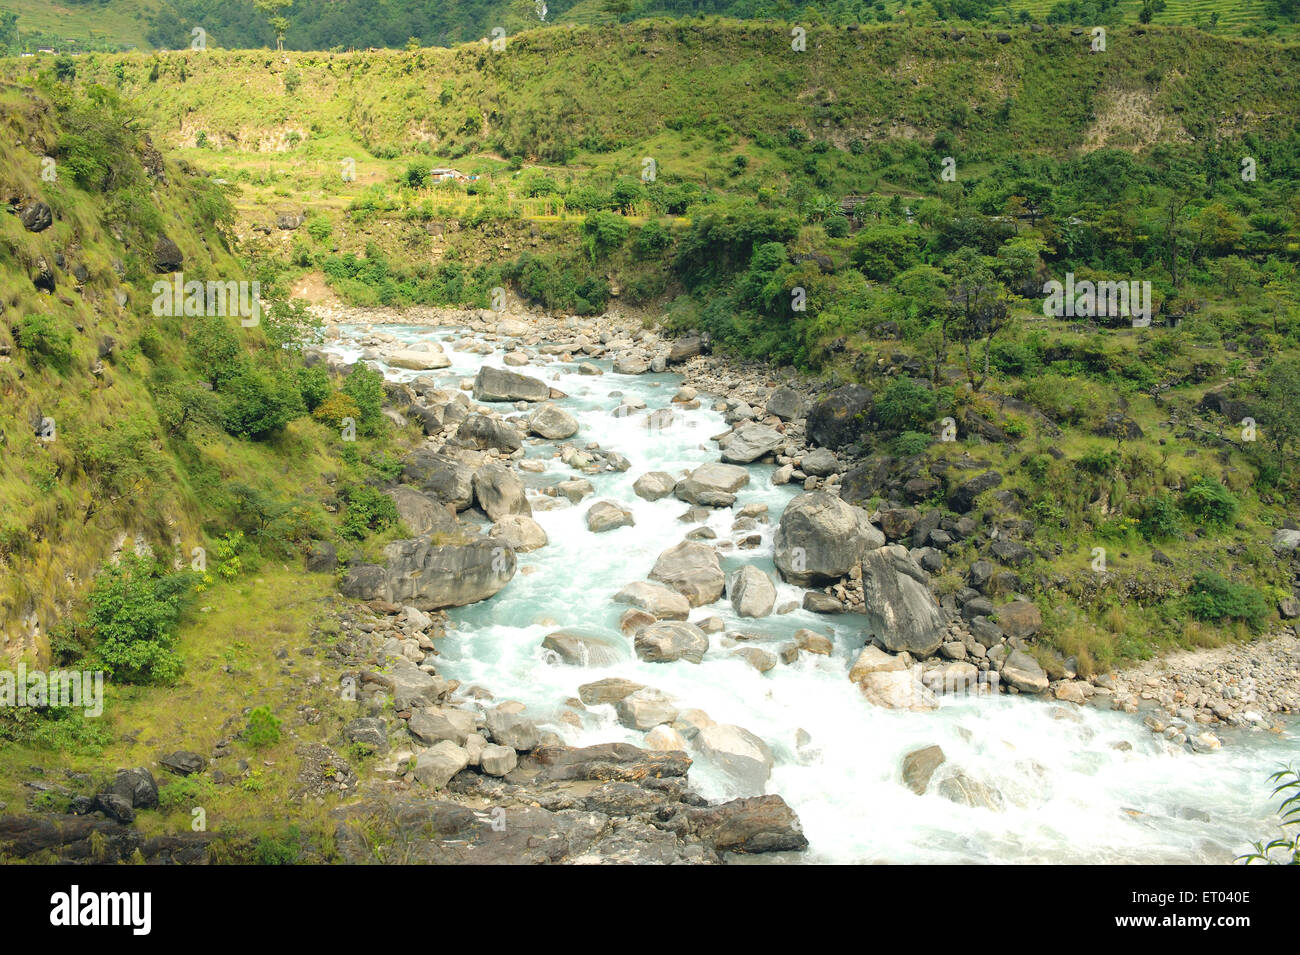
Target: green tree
[
  {"x": 215, "y": 351},
  {"x": 259, "y": 401},
  {"x": 8, "y": 32},
  {"x": 979, "y": 305},
  {"x": 1279, "y": 399},
  {"x": 365, "y": 386},
  {"x": 134, "y": 607},
  {"x": 604, "y": 232},
  {"x": 274, "y": 19}
]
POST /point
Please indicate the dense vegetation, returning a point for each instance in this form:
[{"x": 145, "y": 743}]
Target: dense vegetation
[{"x": 82, "y": 25}]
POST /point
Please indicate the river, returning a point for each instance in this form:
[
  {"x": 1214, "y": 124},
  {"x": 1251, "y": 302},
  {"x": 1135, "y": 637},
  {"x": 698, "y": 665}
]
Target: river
[{"x": 1076, "y": 785}]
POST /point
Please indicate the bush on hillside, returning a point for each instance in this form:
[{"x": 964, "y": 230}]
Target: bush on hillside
[{"x": 134, "y": 608}]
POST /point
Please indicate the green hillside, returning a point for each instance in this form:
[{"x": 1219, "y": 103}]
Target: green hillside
[{"x": 79, "y": 25}]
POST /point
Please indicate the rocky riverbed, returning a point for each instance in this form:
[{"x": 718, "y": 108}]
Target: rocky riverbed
[{"x": 774, "y": 416}]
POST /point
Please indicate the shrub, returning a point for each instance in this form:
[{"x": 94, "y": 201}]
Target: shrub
[
  {"x": 186, "y": 793},
  {"x": 651, "y": 239},
  {"x": 911, "y": 443},
  {"x": 258, "y": 402},
  {"x": 882, "y": 251},
  {"x": 906, "y": 405},
  {"x": 1216, "y": 600},
  {"x": 604, "y": 232},
  {"x": 134, "y": 607},
  {"x": 335, "y": 408},
  {"x": 319, "y": 228},
  {"x": 366, "y": 510},
  {"x": 269, "y": 850},
  {"x": 365, "y": 387},
  {"x": 47, "y": 342},
  {"x": 1209, "y": 503},
  {"x": 263, "y": 728},
  {"x": 1099, "y": 461},
  {"x": 214, "y": 350},
  {"x": 1160, "y": 519},
  {"x": 417, "y": 173},
  {"x": 64, "y": 730},
  {"x": 227, "y": 548},
  {"x": 314, "y": 386}
]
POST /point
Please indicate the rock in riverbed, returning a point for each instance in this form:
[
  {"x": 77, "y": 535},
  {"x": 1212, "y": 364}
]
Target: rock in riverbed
[{"x": 693, "y": 570}]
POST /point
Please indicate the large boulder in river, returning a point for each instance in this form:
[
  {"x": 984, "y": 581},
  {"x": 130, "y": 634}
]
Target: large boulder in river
[
  {"x": 749, "y": 442},
  {"x": 897, "y": 690},
  {"x": 521, "y": 534},
  {"x": 897, "y": 598},
  {"x": 752, "y": 592},
  {"x": 427, "y": 358},
  {"x": 499, "y": 492},
  {"x": 430, "y": 577},
  {"x": 654, "y": 485},
  {"x": 581, "y": 649},
  {"x": 919, "y": 765},
  {"x": 754, "y": 824},
  {"x": 552, "y": 422},
  {"x": 712, "y": 485},
  {"x": 441, "y": 477},
  {"x": 692, "y": 569},
  {"x": 840, "y": 418},
  {"x": 497, "y": 384},
  {"x": 820, "y": 538},
  {"x": 671, "y": 640},
  {"x": 607, "y": 516},
  {"x": 481, "y": 432},
  {"x": 661, "y": 602},
  {"x": 737, "y": 752},
  {"x": 645, "y": 708}
]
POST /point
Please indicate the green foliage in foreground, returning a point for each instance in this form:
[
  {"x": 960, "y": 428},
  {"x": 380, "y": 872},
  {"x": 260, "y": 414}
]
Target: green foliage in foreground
[{"x": 1285, "y": 849}]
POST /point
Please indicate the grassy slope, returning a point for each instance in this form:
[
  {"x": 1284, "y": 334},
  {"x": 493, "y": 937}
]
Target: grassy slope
[
  {"x": 125, "y": 21},
  {"x": 685, "y": 95},
  {"x": 122, "y": 21}
]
